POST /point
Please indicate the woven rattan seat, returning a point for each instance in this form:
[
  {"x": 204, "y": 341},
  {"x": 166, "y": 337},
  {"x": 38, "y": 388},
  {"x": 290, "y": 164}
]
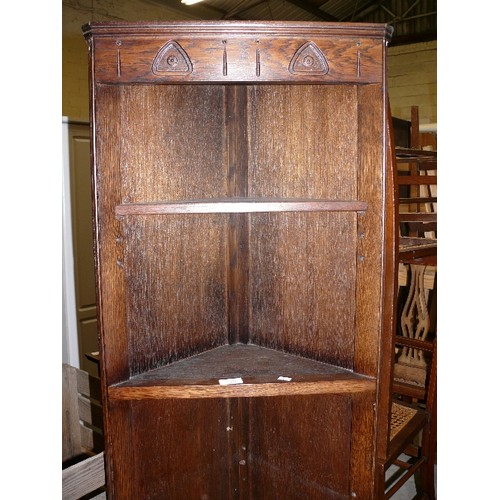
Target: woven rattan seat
[{"x": 400, "y": 416}]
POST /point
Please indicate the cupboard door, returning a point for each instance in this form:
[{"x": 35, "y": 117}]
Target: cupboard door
[
  {"x": 298, "y": 447},
  {"x": 173, "y": 448}
]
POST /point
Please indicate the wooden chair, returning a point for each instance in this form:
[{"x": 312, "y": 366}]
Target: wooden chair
[
  {"x": 416, "y": 183},
  {"x": 82, "y": 443},
  {"x": 413, "y": 410},
  {"x": 407, "y": 402}
]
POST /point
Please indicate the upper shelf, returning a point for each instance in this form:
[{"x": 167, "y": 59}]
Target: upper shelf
[
  {"x": 241, "y": 370},
  {"x": 240, "y": 205}
]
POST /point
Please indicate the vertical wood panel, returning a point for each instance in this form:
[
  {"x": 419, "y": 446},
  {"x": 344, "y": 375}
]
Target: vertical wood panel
[
  {"x": 370, "y": 229},
  {"x": 303, "y": 141},
  {"x": 174, "y": 145},
  {"x": 176, "y": 286},
  {"x": 120, "y": 451},
  {"x": 109, "y": 250},
  {"x": 362, "y": 445},
  {"x": 303, "y": 284}
]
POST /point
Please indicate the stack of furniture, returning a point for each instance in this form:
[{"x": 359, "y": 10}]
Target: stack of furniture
[
  {"x": 245, "y": 256},
  {"x": 82, "y": 436},
  {"x": 411, "y": 441}
]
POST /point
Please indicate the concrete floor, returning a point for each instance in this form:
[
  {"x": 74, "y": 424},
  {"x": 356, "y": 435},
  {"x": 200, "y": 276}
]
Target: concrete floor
[{"x": 408, "y": 491}]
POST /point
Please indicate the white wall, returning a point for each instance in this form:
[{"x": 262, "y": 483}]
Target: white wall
[{"x": 69, "y": 320}]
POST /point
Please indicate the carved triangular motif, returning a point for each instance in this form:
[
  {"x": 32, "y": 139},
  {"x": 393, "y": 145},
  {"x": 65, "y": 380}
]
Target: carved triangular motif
[
  {"x": 309, "y": 59},
  {"x": 172, "y": 58}
]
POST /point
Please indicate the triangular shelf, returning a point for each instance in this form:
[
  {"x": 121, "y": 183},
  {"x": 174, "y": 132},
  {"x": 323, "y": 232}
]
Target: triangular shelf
[
  {"x": 171, "y": 58},
  {"x": 310, "y": 60}
]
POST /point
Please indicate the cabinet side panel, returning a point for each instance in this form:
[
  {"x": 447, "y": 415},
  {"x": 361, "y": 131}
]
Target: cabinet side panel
[
  {"x": 174, "y": 144},
  {"x": 302, "y": 284},
  {"x": 108, "y": 246},
  {"x": 119, "y": 457},
  {"x": 298, "y": 447},
  {"x": 362, "y": 445},
  {"x": 371, "y": 229},
  {"x": 303, "y": 141},
  {"x": 176, "y": 286},
  {"x": 175, "y": 449}
]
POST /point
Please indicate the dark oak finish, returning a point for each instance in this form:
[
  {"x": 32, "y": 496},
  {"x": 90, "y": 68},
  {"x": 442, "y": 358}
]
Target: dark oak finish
[
  {"x": 237, "y": 52},
  {"x": 244, "y": 240}
]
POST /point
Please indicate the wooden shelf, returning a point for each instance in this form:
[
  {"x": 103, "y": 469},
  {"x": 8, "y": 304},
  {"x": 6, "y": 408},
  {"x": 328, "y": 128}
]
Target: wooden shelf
[
  {"x": 240, "y": 205},
  {"x": 257, "y": 371}
]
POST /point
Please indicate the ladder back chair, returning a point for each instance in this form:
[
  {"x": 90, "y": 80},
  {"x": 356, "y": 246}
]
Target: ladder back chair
[{"x": 407, "y": 408}]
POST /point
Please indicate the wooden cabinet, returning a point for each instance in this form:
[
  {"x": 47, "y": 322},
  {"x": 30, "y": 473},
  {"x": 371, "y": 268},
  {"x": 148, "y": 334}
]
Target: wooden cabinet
[{"x": 242, "y": 221}]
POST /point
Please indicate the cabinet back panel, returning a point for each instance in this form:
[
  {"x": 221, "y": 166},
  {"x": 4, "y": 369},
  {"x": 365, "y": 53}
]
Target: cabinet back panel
[
  {"x": 174, "y": 145},
  {"x": 289, "y": 155},
  {"x": 302, "y": 284},
  {"x": 176, "y": 286}
]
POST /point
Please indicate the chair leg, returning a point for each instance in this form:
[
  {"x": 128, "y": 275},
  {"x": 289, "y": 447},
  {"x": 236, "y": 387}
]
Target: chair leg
[
  {"x": 379, "y": 481},
  {"x": 429, "y": 450},
  {"x": 427, "y": 477}
]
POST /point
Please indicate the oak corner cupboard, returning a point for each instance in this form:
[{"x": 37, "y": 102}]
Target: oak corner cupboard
[{"x": 242, "y": 222}]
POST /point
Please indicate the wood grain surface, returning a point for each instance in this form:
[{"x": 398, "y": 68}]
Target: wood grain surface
[{"x": 240, "y": 211}]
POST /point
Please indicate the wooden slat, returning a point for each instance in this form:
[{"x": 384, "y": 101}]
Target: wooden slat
[
  {"x": 90, "y": 412},
  {"x": 88, "y": 385},
  {"x": 82, "y": 417},
  {"x": 71, "y": 444},
  {"x": 413, "y": 180},
  {"x": 418, "y": 200},
  {"x": 428, "y": 166},
  {"x": 91, "y": 440},
  {"x": 417, "y": 217},
  {"x": 414, "y": 343},
  {"x": 87, "y": 437},
  {"x": 83, "y": 477},
  {"x": 404, "y": 478},
  {"x": 411, "y": 390},
  {"x": 417, "y": 154}
]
